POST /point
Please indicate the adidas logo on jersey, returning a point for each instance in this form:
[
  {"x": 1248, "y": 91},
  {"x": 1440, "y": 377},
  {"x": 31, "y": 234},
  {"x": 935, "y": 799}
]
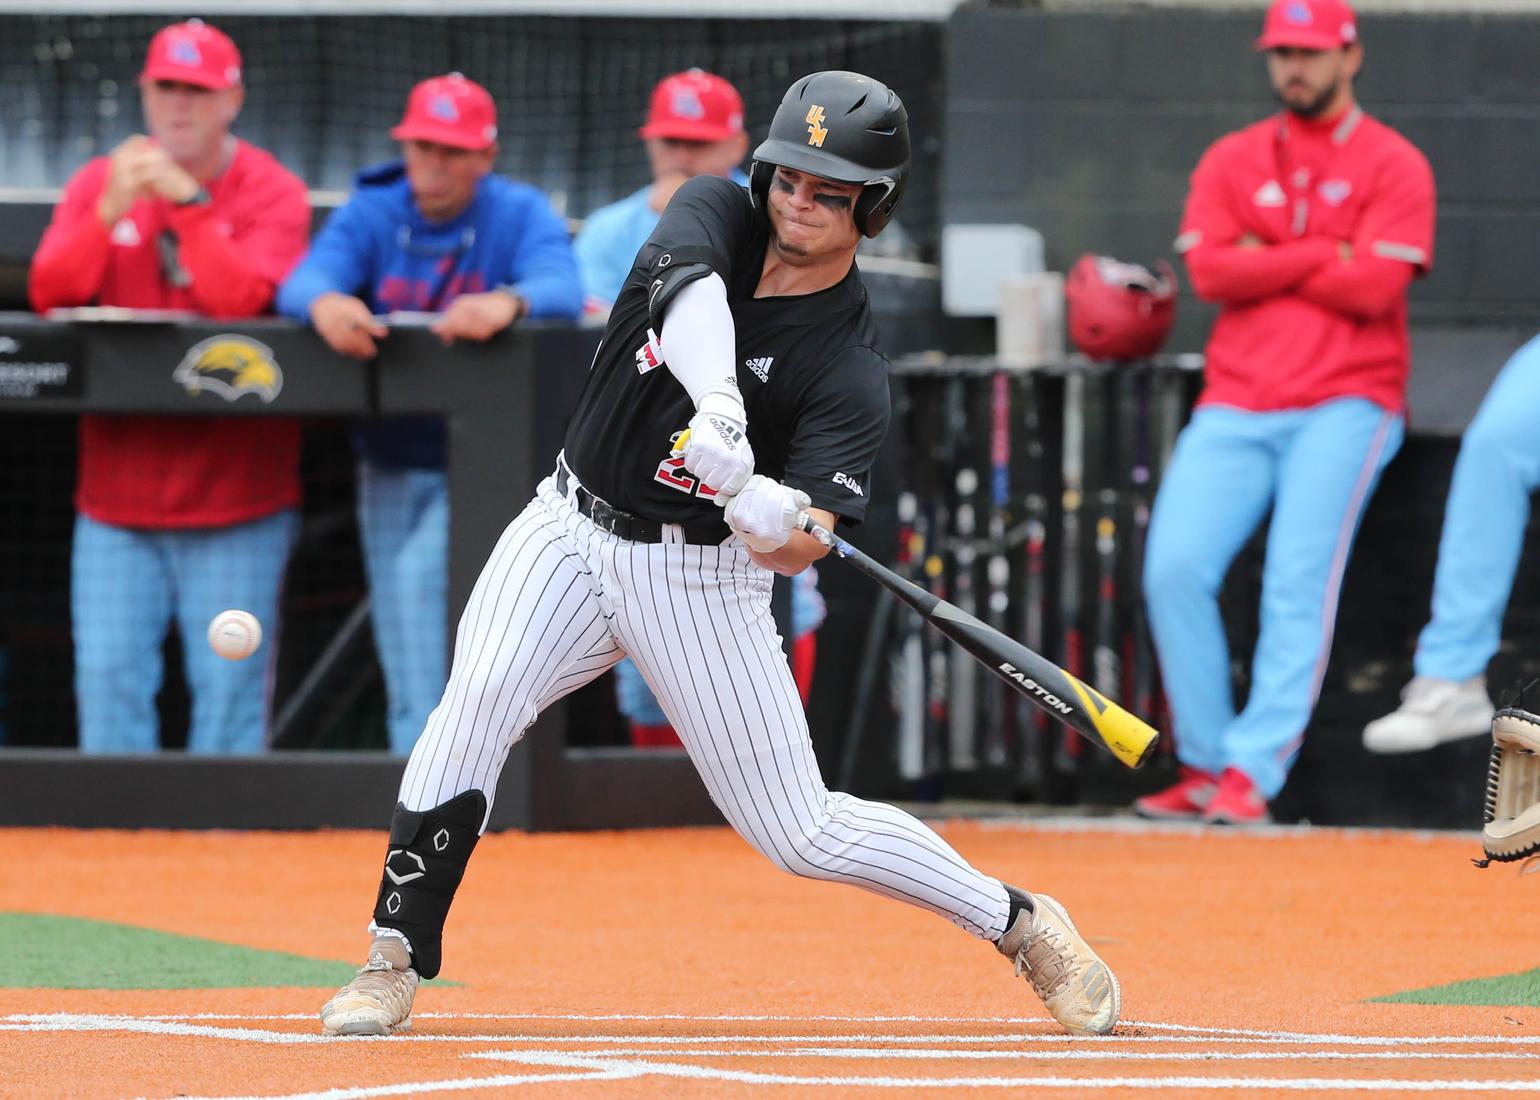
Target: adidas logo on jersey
[
  {"x": 760, "y": 367},
  {"x": 850, "y": 483},
  {"x": 1270, "y": 194},
  {"x": 649, "y": 356}
]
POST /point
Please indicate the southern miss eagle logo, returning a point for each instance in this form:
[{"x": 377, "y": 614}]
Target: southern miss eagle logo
[{"x": 230, "y": 366}]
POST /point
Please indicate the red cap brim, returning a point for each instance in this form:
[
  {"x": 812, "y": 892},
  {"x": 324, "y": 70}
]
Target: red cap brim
[
  {"x": 439, "y": 135},
  {"x": 685, "y": 130},
  {"x": 183, "y": 75},
  {"x": 1300, "y": 38}
]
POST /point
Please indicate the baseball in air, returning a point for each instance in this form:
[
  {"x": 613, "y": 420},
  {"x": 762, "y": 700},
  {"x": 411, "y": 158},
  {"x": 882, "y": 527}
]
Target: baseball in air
[{"x": 235, "y": 635}]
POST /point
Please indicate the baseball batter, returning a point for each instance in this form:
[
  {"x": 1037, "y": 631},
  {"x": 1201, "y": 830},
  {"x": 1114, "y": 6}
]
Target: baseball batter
[{"x": 745, "y": 319}]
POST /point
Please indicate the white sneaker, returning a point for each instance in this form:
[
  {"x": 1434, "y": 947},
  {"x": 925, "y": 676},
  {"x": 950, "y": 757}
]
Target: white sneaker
[
  {"x": 1072, "y": 981},
  {"x": 1431, "y": 712},
  {"x": 379, "y": 1000}
]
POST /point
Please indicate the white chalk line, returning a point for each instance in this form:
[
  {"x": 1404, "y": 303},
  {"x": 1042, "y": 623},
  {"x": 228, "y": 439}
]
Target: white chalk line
[
  {"x": 638, "y": 1069},
  {"x": 951, "y": 1053},
  {"x": 631, "y": 1057},
  {"x": 1190, "y": 1034},
  {"x": 1205, "y": 1033}
]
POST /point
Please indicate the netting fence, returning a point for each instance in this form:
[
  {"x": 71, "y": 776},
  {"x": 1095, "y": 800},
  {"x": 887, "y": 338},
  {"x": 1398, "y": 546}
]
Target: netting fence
[{"x": 323, "y": 91}]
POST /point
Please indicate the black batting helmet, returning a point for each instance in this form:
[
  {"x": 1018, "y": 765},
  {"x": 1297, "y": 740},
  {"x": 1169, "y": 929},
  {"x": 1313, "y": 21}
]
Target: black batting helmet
[{"x": 844, "y": 127}]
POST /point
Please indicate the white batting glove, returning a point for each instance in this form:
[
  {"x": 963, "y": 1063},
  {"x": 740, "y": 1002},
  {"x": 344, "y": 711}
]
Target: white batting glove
[
  {"x": 765, "y": 513},
  {"x": 717, "y": 451}
]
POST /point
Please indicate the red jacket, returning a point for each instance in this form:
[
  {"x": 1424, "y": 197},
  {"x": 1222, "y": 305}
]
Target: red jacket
[
  {"x": 1299, "y": 324},
  {"x": 176, "y": 472}
]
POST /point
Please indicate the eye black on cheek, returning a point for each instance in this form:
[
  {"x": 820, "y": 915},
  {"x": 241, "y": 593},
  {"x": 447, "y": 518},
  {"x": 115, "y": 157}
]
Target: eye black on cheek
[
  {"x": 779, "y": 183},
  {"x": 833, "y": 202}
]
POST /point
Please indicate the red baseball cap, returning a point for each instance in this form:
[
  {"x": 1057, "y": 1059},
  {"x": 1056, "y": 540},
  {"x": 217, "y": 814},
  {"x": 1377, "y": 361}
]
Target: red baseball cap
[
  {"x": 193, "y": 53},
  {"x": 694, "y": 106},
  {"x": 1309, "y": 25},
  {"x": 449, "y": 110}
]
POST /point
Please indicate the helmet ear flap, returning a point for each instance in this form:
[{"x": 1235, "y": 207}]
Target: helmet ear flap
[
  {"x": 760, "y": 174},
  {"x": 875, "y": 206}
]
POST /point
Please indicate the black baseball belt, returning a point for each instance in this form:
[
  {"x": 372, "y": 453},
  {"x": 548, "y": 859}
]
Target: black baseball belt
[{"x": 607, "y": 517}]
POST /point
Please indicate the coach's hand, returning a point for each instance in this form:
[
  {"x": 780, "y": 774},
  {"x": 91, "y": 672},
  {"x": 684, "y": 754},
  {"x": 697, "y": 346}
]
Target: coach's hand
[
  {"x": 765, "y": 513},
  {"x": 717, "y": 450},
  {"x": 346, "y": 325},
  {"x": 478, "y": 317}
]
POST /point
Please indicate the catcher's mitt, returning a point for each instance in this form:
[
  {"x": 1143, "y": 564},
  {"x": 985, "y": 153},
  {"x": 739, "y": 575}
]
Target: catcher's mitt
[{"x": 1512, "y": 817}]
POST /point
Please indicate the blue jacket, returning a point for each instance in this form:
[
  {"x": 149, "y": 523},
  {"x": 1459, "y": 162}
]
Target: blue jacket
[
  {"x": 379, "y": 247},
  {"x": 611, "y": 236}
]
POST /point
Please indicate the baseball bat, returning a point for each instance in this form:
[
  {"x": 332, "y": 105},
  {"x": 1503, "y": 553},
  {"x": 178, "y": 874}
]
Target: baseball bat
[
  {"x": 1032, "y": 725},
  {"x": 1042, "y": 683},
  {"x": 962, "y": 695},
  {"x": 1106, "y": 656},
  {"x": 996, "y": 711},
  {"x": 1066, "y": 755}
]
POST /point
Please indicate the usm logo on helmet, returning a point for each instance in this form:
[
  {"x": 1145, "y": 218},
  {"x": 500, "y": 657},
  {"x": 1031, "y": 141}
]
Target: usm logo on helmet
[
  {"x": 230, "y": 366},
  {"x": 816, "y": 130}
]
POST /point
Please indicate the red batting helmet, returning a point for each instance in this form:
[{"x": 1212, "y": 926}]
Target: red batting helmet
[{"x": 1119, "y": 310}]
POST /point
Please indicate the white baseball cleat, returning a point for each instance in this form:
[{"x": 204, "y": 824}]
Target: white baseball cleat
[
  {"x": 1432, "y": 711},
  {"x": 1073, "y": 982},
  {"x": 379, "y": 1000}
]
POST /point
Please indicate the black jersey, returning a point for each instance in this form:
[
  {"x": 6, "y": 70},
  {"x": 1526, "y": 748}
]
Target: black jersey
[{"x": 814, "y": 382}]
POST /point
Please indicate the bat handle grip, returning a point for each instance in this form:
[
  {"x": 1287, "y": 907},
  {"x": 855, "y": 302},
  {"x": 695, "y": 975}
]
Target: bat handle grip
[{"x": 807, "y": 523}]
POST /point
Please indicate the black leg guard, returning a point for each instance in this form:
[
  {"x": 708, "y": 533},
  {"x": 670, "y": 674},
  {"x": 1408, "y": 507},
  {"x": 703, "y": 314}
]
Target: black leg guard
[{"x": 427, "y": 857}]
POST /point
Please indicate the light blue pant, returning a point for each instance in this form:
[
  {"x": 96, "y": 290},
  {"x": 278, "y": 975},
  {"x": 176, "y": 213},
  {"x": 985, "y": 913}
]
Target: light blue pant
[
  {"x": 634, "y": 699},
  {"x": 1484, "y": 522},
  {"x": 1317, "y": 468},
  {"x": 127, "y": 585},
  {"x": 403, "y": 521}
]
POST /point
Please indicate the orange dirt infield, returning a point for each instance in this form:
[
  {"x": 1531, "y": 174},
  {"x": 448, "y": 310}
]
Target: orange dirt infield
[{"x": 679, "y": 964}]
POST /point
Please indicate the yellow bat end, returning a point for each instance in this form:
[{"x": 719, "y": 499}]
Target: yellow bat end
[
  {"x": 678, "y": 445},
  {"x": 1131, "y": 739}
]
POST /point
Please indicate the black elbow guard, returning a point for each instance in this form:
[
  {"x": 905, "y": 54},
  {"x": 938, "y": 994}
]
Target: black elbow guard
[{"x": 668, "y": 279}]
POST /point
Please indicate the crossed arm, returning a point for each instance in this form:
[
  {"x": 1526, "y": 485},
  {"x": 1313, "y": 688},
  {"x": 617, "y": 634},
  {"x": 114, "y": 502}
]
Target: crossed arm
[{"x": 1324, "y": 271}]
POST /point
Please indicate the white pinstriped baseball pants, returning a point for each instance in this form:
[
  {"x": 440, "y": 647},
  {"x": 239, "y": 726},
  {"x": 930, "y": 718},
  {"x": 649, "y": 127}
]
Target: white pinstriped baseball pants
[{"x": 559, "y": 601}]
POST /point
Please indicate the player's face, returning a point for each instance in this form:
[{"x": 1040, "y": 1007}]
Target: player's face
[
  {"x": 188, "y": 121},
  {"x": 812, "y": 217},
  {"x": 443, "y": 178},
  {"x": 1312, "y": 82},
  {"x": 675, "y": 157}
]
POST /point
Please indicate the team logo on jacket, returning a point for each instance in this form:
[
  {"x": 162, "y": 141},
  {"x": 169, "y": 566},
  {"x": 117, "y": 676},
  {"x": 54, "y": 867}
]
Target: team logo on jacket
[
  {"x": 649, "y": 356},
  {"x": 230, "y": 366},
  {"x": 1270, "y": 194},
  {"x": 125, "y": 233},
  {"x": 850, "y": 483},
  {"x": 1335, "y": 192},
  {"x": 760, "y": 367}
]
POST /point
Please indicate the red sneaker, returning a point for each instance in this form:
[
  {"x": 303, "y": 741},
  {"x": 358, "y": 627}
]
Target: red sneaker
[
  {"x": 1184, "y": 800},
  {"x": 1237, "y": 802}
]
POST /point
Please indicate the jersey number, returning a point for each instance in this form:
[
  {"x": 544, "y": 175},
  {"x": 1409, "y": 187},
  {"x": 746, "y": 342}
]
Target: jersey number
[{"x": 671, "y": 472}]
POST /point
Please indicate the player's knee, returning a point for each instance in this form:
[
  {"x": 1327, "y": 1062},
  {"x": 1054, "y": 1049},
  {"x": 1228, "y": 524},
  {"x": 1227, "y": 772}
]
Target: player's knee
[
  {"x": 1501, "y": 440},
  {"x": 1176, "y": 570}
]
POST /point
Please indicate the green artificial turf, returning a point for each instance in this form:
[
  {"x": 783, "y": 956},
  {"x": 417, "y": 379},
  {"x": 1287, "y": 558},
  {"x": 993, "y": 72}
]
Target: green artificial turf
[
  {"x": 1509, "y": 990},
  {"x": 47, "y": 952}
]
